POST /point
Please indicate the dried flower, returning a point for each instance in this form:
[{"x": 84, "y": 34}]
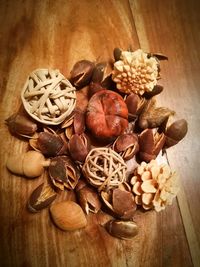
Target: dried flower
[
  {"x": 135, "y": 72},
  {"x": 154, "y": 186}
]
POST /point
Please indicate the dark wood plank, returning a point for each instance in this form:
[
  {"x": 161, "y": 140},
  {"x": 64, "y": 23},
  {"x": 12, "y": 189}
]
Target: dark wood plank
[{"x": 172, "y": 28}]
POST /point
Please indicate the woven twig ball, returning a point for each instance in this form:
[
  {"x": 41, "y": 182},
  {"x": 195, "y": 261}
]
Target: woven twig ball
[
  {"x": 48, "y": 96},
  {"x": 104, "y": 168}
]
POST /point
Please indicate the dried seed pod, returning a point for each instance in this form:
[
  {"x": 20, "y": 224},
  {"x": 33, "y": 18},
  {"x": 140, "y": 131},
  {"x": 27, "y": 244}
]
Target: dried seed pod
[
  {"x": 176, "y": 132},
  {"x": 117, "y": 53},
  {"x": 81, "y": 73},
  {"x": 41, "y": 197},
  {"x": 150, "y": 142},
  {"x": 94, "y": 88},
  {"x": 153, "y": 117},
  {"x": 122, "y": 229},
  {"x": 49, "y": 144},
  {"x": 30, "y": 164},
  {"x": 79, "y": 147},
  {"x": 68, "y": 216},
  {"x": 159, "y": 56},
  {"x": 135, "y": 105},
  {"x": 79, "y": 121},
  {"x": 156, "y": 90},
  {"x": 98, "y": 73},
  {"x": 63, "y": 172},
  {"x": 88, "y": 198},
  {"x": 120, "y": 201},
  {"x": 21, "y": 125},
  {"x": 126, "y": 145}
]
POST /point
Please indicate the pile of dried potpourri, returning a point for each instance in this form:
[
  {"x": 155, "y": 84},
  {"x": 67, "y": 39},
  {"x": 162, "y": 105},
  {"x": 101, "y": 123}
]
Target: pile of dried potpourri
[{"x": 85, "y": 147}]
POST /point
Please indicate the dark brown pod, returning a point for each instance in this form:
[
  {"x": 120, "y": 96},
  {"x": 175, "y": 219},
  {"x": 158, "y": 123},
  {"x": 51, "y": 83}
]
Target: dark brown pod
[
  {"x": 64, "y": 173},
  {"x": 150, "y": 143},
  {"x": 152, "y": 116},
  {"x": 81, "y": 73},
  {"x": 159, "y": 56},
  {"x": 79, "y": 121},
  {"x": 88, "y": 197},
  {"x": 51, "y": 145},
  {"x": 117, "y": 53},
  {"x": 98, "y": 72},
  {"x": 79, "y": 147},
  {"x": 135, "y": 105},
  {"x": 176, "y": 132},
  {"x": 156, "y": 90},
  {"x": 122, "y": 229},
  {"x": 21, "y": 125},
  {"x": 126, "y": 145},
  {"x": 94, "y": 88},
  {"x": 41, "y": 197}
]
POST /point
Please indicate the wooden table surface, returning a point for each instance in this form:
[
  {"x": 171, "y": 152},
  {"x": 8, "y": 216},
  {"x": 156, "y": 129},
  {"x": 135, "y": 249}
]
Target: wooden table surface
[{"x": 35, "y": 34}]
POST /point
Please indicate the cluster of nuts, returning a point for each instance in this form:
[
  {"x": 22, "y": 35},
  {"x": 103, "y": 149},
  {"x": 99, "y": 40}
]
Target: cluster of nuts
[{"x": 87, "y": 149}]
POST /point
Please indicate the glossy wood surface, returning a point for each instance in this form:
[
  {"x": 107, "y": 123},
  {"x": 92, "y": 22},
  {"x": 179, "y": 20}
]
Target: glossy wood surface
[{"x": 56, "y": 34}]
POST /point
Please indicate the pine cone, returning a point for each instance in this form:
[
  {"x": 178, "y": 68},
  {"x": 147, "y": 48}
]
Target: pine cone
[
  {"x": 135, "y": 72},
  {"x": 154, "y": 185}
]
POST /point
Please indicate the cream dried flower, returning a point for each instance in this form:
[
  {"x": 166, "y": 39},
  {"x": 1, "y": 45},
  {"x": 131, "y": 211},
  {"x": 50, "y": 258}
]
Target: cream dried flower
[
  {"x": 154, "y": 186},
  {"x": 135, "y": 72}
]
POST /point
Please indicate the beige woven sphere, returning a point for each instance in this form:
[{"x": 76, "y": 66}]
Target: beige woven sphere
[
  {"x": 104, "y": 168},
  {"x": 48, "y": 96}
]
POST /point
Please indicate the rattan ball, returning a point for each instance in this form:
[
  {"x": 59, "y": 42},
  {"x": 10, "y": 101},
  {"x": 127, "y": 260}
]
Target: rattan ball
[
  {"x": 104, "y": 168},
  {"x": 48, "y": 96}
]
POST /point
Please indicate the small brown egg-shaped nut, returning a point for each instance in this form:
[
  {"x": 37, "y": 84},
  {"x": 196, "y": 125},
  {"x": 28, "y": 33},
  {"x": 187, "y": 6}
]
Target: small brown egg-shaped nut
[
  {"x": 122, "y": 229},
  {"x": 176, "y": 132},
  {"x": 68, "y": 215}
]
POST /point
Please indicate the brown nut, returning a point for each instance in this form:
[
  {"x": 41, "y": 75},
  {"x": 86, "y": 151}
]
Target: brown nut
[
  {"x": 135, "y": 105},
  {"x": 49, "y": 144},
  {"x": 176, "y": 132},
  {"x": 79, "y": 121},
  {"x": 21, "y": 125},
  {"x": 88, "y": 198},
  {"x": 122, "y": 229},
  {"x": 68, "y": 216},
  {"x": 41, "y": 197},
  {"x": 151, "y": 142},
  {"x": 117, "y": 53},
  {"x": 126, "y": 145},
  {"x": 81, "y": 73},
  {"x": 63, "y": 172},
  {"x": 153, "y": 117},
  {"x": 156, "y": 90},
  {"x": 79, "y": 147},
  {"x": 120, "y": 201}
]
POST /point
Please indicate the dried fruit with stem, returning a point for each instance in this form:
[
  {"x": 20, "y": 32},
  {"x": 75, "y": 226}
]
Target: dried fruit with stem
[{"x": 30, "y": 164}]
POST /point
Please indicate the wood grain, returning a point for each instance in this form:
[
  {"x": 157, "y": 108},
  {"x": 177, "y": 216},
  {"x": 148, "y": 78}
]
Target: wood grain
[
  {"x": 56, "y": 34},
  {"x": 179, "y": 40}
]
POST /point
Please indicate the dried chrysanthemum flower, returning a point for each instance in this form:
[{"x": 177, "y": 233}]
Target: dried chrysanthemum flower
[
  {"x": 135, "y": 72},
  {"x": 154, "y": 185}
]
